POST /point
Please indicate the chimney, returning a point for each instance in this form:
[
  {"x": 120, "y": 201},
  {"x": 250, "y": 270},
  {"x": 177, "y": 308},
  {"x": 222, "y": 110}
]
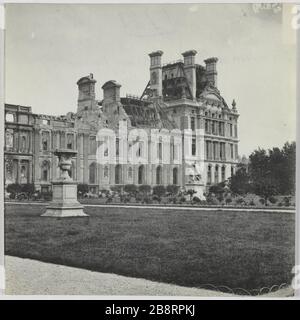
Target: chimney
[
  {"x": 211, "y": 70},
  {"x": 111, "y": 91},
  {"x": 156, "y": 72},
  {"x": 190, "y": 70},
  {"x": 86, "y": 93}
]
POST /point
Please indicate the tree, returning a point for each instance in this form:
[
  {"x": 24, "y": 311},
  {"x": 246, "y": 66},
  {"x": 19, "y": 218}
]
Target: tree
[
  {"x": 262, "y": 175},
  {"x": 239, "y": 183}
]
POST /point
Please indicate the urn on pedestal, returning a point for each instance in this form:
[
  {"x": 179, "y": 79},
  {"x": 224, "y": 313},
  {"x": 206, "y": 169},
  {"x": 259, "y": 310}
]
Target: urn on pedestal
[{"x": 64, "y": 202}]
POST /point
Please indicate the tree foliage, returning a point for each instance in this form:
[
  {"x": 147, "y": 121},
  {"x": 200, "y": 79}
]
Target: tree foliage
[{"x": 269, "y": 172}]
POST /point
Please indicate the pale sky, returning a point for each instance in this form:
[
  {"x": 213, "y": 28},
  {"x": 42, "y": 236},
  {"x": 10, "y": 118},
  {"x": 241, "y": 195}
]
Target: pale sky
[{"x": 49, "y": 47}]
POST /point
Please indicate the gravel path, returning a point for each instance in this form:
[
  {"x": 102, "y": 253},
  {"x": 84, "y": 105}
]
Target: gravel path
[{"x": 32, "y": 277}]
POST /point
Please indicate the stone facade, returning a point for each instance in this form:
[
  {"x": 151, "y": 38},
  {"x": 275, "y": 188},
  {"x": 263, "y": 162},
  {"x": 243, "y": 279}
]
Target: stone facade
[{"x": 180, "y": 131}]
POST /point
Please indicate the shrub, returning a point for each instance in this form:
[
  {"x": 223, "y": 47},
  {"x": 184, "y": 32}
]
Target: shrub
[
  {"x": 191, "y": 192},
  {"x": 196, "y": 200},
  {"x": 228, "y": 200},
  {"x": 159, "y": 190},
  {"x": 240, "y": 201},
  {"x": 251, "y": 203},
  {"x": 116, "y": 188},
  {"x": 145, "y": 188},
  {"x": 14, "y": 188},
  {"x": 130, "y": 188},
  {"x": 82, "y": 188},
  {"x": 172, "y": 189},
  {"x": 156, "y": 198},
  {"x": 272, "y": 199},
  {"x": 287, "y": 201},
  {"x": 28, "y": 188},
  {"x": 211, "y": 200},
  {"x": 47, "y": 195},
  {"x": 262, "y": 201},
  {"x": 182, "y": 199}
]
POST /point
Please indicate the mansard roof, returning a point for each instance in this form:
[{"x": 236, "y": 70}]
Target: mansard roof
[{"x": 148, "y": 114}]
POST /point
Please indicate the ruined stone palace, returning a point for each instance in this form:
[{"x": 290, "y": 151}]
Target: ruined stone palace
[{"x": 184, "y": 132}]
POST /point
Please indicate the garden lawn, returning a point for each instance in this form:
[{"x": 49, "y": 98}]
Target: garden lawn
[{"x": 249, "y": 250}]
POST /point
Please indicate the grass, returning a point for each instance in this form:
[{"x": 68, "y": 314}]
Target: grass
[{"x": 191, "y": 248}]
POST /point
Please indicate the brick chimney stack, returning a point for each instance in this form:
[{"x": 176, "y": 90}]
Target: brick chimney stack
[
  {"x": 211, "y": 70},
  {"x": 190, "y": 69}
]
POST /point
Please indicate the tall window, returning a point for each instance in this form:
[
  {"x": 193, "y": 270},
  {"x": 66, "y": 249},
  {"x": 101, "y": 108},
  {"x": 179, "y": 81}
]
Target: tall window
[
  {"x": 70, "y": 141},
  {"x": 213, "y": 127},
  {"x": 140, "y": 149},
  {"x": 117, "y": 147},
  {"x": 223, "y": 173},
  {"x": 207, "y": 149},
  {"x": 206, "y": 126},
  {"x": 105, "y": 147},
  {"x": 159, "y": 150},
  {"x": 175, "y": 176},
  {"x": 216, "y": 174},
  {"x": 118, "y": 174},
  {"x": 231, "y": 151},
  {"x": 209, "y": 174},
  {"x": 193, "y": 123},
  {"x": 141, "y": 173},
  {"x": 23, "y": 144},
  {"x": 193, "y": 146},
  {"x": 93, "y": 145},
  {"x": 159, "y": 175},
  {"x": 92, "y": 173},
  {"x": 230, "y": 129},
  {"x": 232, "y": 171},
  {"x": 9, "y": 139}
]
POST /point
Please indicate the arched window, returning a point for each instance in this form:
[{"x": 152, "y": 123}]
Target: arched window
[
  {"x": 154, "y": 78},
  {"x": 118, "y": 174},
  {"x": 141, "y": 173},
  {"x": 209, "y": 174},
  {"x": 175, "y": 176},
  {"x": 216, "y": 174},
  {"x": 92, "y": 173},
  {"x": 159, "y": 175},
  {"x": 166, "y": 77},
  {"x": 223, "y": 173}
]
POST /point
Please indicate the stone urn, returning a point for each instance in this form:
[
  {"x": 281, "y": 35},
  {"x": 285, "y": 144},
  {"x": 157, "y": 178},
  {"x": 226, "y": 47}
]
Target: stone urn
[
  {"x": 64, "y": 202},
  {"x": 65, "y": 162}
]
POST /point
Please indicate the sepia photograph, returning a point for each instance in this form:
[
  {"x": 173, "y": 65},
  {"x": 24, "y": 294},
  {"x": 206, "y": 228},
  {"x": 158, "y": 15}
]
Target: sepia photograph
[{"x": 149, "y": 150}]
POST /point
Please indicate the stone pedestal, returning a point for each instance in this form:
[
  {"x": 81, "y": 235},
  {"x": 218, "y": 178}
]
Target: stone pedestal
[{"x": 64, "y": 203}]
